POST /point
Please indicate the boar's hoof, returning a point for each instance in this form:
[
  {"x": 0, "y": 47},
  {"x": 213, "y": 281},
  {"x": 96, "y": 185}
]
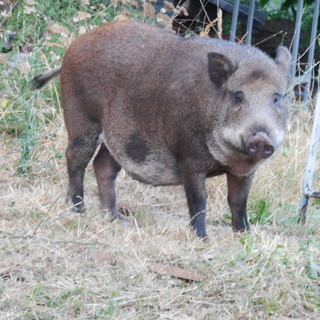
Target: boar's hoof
[
  {"x": 240, "y": 225},
  {"x": 77, "y": 206},
  {"x": 117, "y": 216},
  {"x": 78, "y": 209},
  {"x": 201, "y": 233},
  {"x": 259, "y": 148},
  {"x": 241, "y": 229}
]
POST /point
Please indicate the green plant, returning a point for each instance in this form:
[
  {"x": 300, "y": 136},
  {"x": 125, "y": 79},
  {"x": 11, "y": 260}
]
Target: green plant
[
  {"x": 259, "y": 212},
  {"x": 288, "y": 9}
]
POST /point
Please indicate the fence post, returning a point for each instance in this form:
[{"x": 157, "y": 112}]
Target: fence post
[
  {"x": 250, "y": 22},
  {"x": 313, "y": 37},
  {"x": 307, "y": 191},
  {"x": 234, "y": 20},
  {"x": 296, "y": 39}
]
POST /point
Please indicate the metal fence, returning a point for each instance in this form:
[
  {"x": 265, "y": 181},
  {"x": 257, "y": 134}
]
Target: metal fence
[
  {"x": 256, "y": 17},
  {"x": 305, "y": 80}
]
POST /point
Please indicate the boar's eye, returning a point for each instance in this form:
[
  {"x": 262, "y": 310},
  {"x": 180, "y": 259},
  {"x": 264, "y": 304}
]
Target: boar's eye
[
  {"x": 238, "y": 97},
  {"x": 277, "y": 98}
]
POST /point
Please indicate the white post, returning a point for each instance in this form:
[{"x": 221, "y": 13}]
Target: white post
[{"x": 307, "y": 190}]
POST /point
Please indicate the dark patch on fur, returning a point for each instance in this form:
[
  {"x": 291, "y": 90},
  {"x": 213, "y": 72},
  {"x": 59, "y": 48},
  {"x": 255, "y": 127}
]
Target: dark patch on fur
[
  {"x": 257, "y": 74},
  {"x": 93, "y": 119},
  {"x": 78, "y": 142},
  {"x": 137, "y": 148},
  {"x": 80, "y": 90},
  {"x": 260, "y": 129}
]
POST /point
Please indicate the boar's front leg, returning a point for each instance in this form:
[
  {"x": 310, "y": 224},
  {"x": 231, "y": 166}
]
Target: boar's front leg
[
  {"x": 106, "y": 170},
  {"x": 194, "y": 185},
  {"x": 238, "y": 190}
]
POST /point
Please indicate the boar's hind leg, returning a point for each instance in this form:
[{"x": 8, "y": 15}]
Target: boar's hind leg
[
  {"x": 194, "y": 185},
  {"x": 106, "y": 170},
  {"x": 238, "y": 190},
  {"x": 79, "y": 152}
]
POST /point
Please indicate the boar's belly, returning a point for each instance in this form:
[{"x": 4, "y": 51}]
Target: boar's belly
[
  {"x": 146, "y": 161},
  {"x": 151, "y": 171}
]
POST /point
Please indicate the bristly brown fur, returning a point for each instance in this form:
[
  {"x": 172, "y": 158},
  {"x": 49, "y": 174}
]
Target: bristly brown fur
[{"x": 169, "y": 111}]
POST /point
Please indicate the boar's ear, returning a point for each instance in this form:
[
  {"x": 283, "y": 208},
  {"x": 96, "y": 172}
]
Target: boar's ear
[
  {"x": 220, "y": 68},
  {"x": 283, "y": 59}
]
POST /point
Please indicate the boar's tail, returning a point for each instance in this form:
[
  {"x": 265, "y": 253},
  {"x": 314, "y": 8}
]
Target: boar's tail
[{"x": 43, "y": 78}]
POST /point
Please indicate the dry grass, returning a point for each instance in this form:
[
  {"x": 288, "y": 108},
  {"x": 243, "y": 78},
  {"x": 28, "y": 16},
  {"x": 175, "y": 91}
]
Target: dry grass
[{"x": 58, "y": 265}]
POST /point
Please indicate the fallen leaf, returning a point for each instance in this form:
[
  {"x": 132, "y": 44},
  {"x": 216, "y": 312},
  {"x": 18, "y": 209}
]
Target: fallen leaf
[
  {"x": 3, "y": 104},
  {"x": 81, "y": 16},
  {"x": 163, "y": 19},
  {"x": 182, "y": 10},
  {"x": 29, "y": 10},
  {"x": 31, "y": 2},
  {"x": 99, "y": 256},
  {"x": 24, "y": 67},
  {"x": 134, "y": 4},
  {"x": 314, "y": 270},
  {"x": 82, "y": 30},
  {"x": 169, "y": 5},
  {"x": 66, "y": 41},
  {"x": 120, "y": 17},
  {"x": 148, "y": 10},
  {"x": 26, "y": 48},
  {"x": 174, "y": 272},
  {"x": 12, "y": 273},
  {"x": 53, "y": 44},
  {"x": 3, "y": 60},
  {"x": 85, "y": 2},
  {"x": 208, "y": 256},
  {"x": 114, "y": 3},
  {"x": 57, "y": 28}
]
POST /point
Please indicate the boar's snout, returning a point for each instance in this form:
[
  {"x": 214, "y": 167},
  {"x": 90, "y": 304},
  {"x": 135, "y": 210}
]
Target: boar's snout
[{"x": 259, "y": 146}]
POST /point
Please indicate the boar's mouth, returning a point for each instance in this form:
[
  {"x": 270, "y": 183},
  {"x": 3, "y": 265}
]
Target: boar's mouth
[{"x": 236, "y": 149}]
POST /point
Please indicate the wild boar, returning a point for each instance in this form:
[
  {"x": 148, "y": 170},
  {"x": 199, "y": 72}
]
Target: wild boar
[{"x": 169, "y": 111}]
